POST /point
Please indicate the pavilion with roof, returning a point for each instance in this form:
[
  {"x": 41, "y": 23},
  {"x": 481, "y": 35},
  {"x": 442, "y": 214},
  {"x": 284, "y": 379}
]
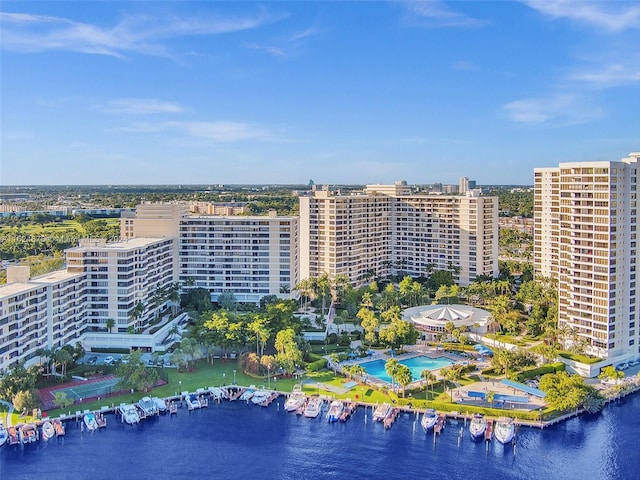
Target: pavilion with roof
[{"x": 432, "y": 319}]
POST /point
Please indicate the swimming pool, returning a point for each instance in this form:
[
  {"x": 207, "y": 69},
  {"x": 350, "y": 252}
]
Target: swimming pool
[{"x": 376, "y": 369}]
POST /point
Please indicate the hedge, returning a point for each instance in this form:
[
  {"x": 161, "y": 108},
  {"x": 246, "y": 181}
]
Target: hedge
[
  {"x": 317, "y": 365},
  {"x": 534, "y": 372}
]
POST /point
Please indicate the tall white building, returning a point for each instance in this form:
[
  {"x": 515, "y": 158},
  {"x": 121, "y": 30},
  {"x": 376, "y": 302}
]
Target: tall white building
[
  {"x": 42, "y": 312},
  {"x": 387, "y": 229},
  {"x": 585, "y": 234},
  {"x": 119, "y": 275},
  {"x": 251, "y": 256}
]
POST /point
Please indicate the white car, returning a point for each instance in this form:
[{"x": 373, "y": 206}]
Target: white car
[
  {"x": 633, "y": 363},
  {"x": 622, "y": 366},
  {"x": 108, "y": 360}
]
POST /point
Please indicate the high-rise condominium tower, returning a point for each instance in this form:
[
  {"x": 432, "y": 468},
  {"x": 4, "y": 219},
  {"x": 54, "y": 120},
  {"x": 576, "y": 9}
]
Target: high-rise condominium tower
[
  {"x": 387, "y": 229},
  {"x": 585, "y": 235}
]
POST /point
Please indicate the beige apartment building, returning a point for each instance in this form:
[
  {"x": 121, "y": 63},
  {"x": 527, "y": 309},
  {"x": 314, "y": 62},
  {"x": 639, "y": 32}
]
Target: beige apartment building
[
  {"x": 120, "y": 275},
  {"x": 42, "y": 312},
  {"x": 387, "y": 229},
  {"x": 251, "y": 256},
  {"x": 585, "y": 235}
]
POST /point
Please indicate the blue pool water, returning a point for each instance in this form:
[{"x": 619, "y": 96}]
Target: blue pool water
[
  {"x": 234, "y": 440},
  {"x": 415, "y": 364}
]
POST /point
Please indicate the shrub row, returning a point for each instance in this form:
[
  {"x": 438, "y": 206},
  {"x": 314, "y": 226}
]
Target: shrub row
[
  {"x": 534, "y": 372},
  {"x": 317, "y": 365}
]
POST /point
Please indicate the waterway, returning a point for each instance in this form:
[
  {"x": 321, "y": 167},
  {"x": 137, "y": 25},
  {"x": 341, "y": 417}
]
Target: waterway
[{"x": 234, "y": 440}]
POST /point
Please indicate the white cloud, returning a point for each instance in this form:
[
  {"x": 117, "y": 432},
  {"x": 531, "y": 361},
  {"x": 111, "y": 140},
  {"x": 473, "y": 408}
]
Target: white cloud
[
  {"x": 557, "y": 110},
  {"x": 274, "y": 51},
  {"x": 142, "y": 34},
  {"x": 436, "y": 13},
  {"x": 141, "y": 106},
  {"x": 611, "y": 76},
  {"x": 215, "y": 131},
  {"x": 612, "y": 16}
]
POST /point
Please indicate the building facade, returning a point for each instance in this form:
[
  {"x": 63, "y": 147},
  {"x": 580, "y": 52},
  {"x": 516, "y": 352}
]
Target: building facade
[
  {"x": 585, "y": 235},
  {"x": 387, "y": 229},
  {"x": 120, "y": 275},
  {"x": 43, "y": 312}
]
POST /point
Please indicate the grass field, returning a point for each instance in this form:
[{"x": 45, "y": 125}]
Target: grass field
[{"x": 52, "y": 227}]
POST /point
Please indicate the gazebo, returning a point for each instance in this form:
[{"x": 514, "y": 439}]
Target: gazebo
[{"x": 433, "y": 318}]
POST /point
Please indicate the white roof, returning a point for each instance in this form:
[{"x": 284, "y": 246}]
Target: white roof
[{"x": 439, "y": 315}]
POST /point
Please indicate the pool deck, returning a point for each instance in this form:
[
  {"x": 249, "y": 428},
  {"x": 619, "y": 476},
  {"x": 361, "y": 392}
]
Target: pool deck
[{"x": 412, "y": 352}]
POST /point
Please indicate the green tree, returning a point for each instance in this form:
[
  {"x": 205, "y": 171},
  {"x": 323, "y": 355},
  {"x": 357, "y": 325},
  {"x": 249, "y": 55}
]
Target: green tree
[
  {"x": 403, "y": 377},
  {"x": 26, "y": 400},
  {"x": 134, "y": 375},
  {"x": 288, "y": 354},
  {"x": 391, "y": 366},
  {"x": 429, "y": 378},
  {"x": 610, "y": 373},
  {"x": 369, "y": 323},
  {"x": 17, "y": 379},
  {"x": 110, "y": 324},
  {"x": 61, "y": 399},
  {"x": 568, "y": 392}
]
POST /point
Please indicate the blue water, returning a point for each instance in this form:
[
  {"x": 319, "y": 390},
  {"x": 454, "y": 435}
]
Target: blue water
[
  {"x": 415, "y": 364},
  {"x": 239, "y": 441}
]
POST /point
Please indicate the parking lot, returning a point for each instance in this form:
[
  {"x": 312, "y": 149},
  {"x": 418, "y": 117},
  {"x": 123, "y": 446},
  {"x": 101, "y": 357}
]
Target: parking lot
[{"x": 92, "y": 358}]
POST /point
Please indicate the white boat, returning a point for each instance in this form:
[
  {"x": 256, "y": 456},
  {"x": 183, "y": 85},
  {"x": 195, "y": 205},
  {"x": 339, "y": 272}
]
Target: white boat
[
  {"x": 147, "y": 406},
  {"x": 48, "y": 431},
  {"x": 296, "y": 400},
  {"x": 313, "y": 407},
  {"x": 129, "y": 414},
  {"x": 248, "y": 393},
  {"x": 90, "y": 422},
  {"x": 381, "y": 412},
  {"x": 260, "y": 396},
  {"x": 4, "y": 435},
  {"x": 478, "y": 426},
  {"x": 192, "y": 401},
  {"x": 335, "y": 410},
  {"x": 161, "y": 405},
  {"x": 429, "y": 419},
  {"x": 504, "y": 430},
  {"x": 28, "y": 433}
]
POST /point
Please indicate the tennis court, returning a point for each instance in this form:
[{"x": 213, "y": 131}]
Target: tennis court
[{"x": 99, "y": 388}]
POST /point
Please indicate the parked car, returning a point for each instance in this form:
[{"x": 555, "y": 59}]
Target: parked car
[
  {"x": 622, "y": 366},
  {"x": 108, "y": 360},
  {"x": 633, "y": 363},
  {"x": 92, "y": 360}
]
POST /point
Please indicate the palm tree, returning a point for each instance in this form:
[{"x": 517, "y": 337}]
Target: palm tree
[
  {"x": 403, "y": 377},
  {"x": 491, "y": 397},
  {"x": 110, "y": 324},
  {"x": 136, "y": 312},
  {"x": 428, "y": 377},
  {"x": 391, "y": 367}
]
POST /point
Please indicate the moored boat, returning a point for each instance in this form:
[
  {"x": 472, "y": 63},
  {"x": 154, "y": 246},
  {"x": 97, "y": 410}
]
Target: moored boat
[
  {"x": 192, "y": 401},
  {"x": 129, "y": 414},
  {"x": 58, "y": 427},
  {"x": 335, "y": 410},
  {"x": 28, "y": 433},
  {"x": 47, "y": 430},
  {"x": 90, "y": 422},
  {"x": 429, "y": 419},
  {"x": 478, "y": 426},
  {"x": 148, "y": 406},
  {"x": 296, "y": 400},
  {"x": 381, "y": 412},
  {"x": 161, "y": 405},
  {"x": 313, "y": 408},
  {"x": 504, "y": 430},
  {"x": 260, "y": 396}
]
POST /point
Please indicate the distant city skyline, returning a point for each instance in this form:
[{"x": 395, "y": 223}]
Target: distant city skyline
[{"x": 338, "y": 92}]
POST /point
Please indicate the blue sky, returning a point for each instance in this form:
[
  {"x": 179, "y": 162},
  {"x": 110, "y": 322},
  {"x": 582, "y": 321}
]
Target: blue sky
[{"x": 338, "y": 92}]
